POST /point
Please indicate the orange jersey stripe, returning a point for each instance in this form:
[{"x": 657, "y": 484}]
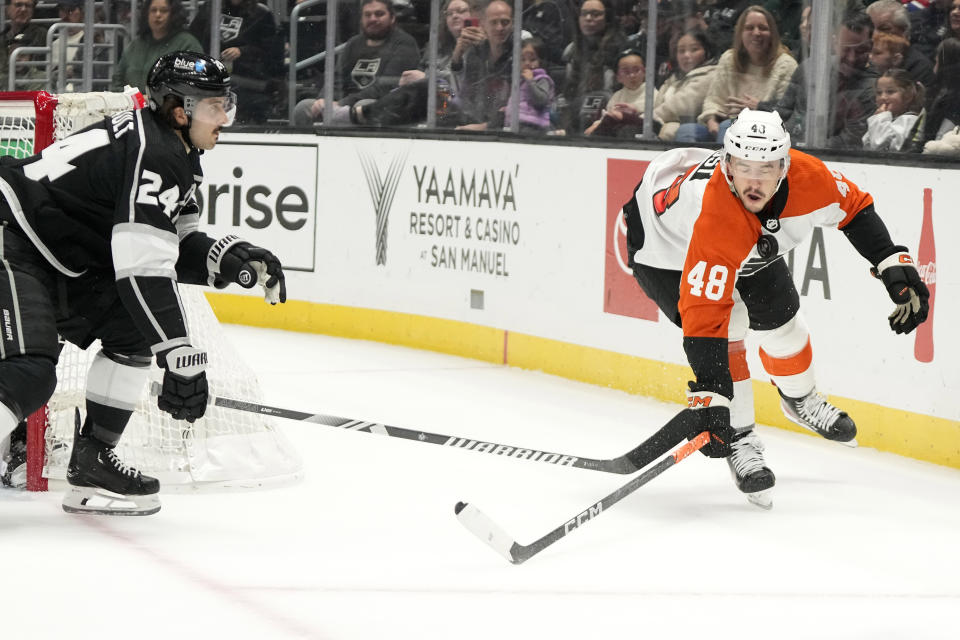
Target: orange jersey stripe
[
  {"x": 789, "y": 366},
  {"x": 739, "y": 369}
]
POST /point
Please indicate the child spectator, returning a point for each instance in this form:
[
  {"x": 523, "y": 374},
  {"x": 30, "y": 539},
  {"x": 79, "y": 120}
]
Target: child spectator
[
  {"x": 537, "y": 92},
  {"x": 680, "y": 98},
  {"x": 623, "y": 116},
  {"x": 888, "y": 51},
  {"x": 899, "y": 112}
]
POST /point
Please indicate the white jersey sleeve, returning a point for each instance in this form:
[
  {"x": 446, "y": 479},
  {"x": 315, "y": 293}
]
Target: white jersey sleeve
[{"x": 668, "y": 212}]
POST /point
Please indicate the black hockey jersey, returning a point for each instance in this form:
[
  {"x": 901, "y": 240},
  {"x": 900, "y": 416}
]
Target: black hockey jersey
[{"x": 117, "y": 197}]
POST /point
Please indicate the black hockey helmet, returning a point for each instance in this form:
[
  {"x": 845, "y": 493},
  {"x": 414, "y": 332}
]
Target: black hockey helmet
[{"x": 191, "y": 77}]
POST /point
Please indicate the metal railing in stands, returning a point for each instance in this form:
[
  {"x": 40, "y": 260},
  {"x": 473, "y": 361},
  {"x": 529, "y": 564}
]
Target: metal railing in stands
[
  {"x": 328, "y": 69},
  {"x": 87, "y": 62}
]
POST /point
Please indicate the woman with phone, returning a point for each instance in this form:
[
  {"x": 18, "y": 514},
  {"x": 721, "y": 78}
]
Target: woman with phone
[{"x": 471, "y": 35}]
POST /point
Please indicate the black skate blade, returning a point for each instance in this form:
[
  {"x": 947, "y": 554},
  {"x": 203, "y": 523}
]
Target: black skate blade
[{"x": 91, "y": 500}]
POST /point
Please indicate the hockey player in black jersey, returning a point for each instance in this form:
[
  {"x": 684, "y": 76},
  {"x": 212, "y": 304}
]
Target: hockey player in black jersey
[{"x": 95, "y": 233}]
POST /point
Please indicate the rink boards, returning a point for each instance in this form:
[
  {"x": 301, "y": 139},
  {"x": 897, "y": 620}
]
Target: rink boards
[{"x": 514, "y": 253}]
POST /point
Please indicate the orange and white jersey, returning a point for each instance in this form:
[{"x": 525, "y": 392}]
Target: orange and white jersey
[
  {"x": 693, "y": 222},
  {"x": 667, "y": 211}
]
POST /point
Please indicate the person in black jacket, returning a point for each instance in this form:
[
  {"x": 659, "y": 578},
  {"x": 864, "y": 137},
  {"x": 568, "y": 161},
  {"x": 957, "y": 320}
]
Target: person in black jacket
[
  {"x": 380, "y": 50},
  {"x": 251, "y": 48}
]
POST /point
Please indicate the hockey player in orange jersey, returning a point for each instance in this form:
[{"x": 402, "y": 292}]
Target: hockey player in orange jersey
[{"x": 706, "y": 235}]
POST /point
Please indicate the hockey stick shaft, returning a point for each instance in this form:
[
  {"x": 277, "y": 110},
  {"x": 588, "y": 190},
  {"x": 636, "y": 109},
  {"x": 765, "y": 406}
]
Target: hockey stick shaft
[
  {"x": 490, "y": 533},
  {"x": 629, "y": 462}
]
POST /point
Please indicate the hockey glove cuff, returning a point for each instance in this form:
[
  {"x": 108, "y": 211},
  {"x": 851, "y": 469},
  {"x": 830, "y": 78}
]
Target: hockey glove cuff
[
  {"x": 712, "y": 412},
  {"x": 231, "y": 259},
  {"x": 184, "y": 392},
  {"x": 906, "y": 289}
]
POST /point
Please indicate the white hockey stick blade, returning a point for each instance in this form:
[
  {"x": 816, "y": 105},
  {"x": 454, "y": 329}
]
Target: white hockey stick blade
[
  {"x": 106, "y": 503},
  {"x": 486, "y": 529}
]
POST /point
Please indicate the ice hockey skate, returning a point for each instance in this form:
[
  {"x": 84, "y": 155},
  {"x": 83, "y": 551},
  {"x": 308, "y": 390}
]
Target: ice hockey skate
[
  {"x": 13, "y": 467},
  {"x": 750, "y": 470},
  {"x": 814, "y": 412},
  {"x": 101, "y": 483}
]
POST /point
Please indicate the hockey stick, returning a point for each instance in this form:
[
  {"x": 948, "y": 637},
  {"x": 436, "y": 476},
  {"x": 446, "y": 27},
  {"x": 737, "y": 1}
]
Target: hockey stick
[
  {"x": 489, "y": 532},
  {"x": 633, "y": 460}
]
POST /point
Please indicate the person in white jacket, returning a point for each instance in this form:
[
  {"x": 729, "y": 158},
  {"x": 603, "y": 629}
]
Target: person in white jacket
[
  {"x": 755, "y": 69},
  {"x": 899, "y": 112},
  {"x": 680, "y": 99}
]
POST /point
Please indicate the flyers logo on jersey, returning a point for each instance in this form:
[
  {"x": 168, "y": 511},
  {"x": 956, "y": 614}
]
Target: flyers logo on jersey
[{"x": 665, "y": 198}]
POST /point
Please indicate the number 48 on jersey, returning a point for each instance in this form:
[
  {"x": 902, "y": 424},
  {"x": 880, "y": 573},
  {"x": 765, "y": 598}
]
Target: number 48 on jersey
[{"x": 712, "y": 284}]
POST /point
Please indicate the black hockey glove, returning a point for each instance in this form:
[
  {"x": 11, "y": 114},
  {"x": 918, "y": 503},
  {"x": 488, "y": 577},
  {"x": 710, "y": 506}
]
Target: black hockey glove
[
  {"x": 906, "y": 289},
  {"x": 235, "y": 260},
  {"x": 712, "y": 411},
  {"x": 184, "y": 391}
]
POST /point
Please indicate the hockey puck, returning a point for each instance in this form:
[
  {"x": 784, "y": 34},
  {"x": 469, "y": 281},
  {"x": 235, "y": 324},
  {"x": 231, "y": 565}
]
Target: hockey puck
[{"x": 460, "y": 506}]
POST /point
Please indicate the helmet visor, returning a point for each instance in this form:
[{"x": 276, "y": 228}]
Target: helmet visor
[{"x": 216, "y": 110}]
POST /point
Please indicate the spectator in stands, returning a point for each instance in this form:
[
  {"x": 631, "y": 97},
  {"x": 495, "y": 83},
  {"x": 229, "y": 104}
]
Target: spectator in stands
[
  {"x": 551, "y": 21},
  {"x": 380, "y": 50},
  {"x": 890, "y": 16},
  {"x": 943, "y": 114},
  {"x": 20, "y": 32},
  {"x": 251, "y": 49},
  {"x": 953, "y": 20},
  {"x": 485, "y": 71},
  {"x": 929, "y": 26},
  {"x": 680, "y": 99},
  {"x": 67, "y": 45},
  {"x": 887, "y": 52},
  {"x": 719, "y": 20},
  {"x": 162, "y": 30},
  {"x": 899, "y": 112},
  {"x": 801, "y": 48},
  {"x": 623, "y": 116},
  {"x": 789, "y": 14},
  {"x": 757, "y": 68},
  {"x": 591, "y": 62},
  {"x": 853, "y": 99},
  {"x": 537, "y": 91},
  {"x": 386, "y": 103}
]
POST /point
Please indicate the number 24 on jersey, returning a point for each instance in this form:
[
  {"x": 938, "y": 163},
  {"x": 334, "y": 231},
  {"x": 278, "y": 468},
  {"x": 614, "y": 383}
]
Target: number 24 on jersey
[{"x": 710, "y": 284}]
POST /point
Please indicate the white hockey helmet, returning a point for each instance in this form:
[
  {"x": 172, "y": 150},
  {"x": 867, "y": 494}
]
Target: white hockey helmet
[{"x": 758, "y": 136}]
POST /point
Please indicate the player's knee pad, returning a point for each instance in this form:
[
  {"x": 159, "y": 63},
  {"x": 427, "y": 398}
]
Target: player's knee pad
[
  {"x": 787, "y": 356},
  {"x": 741, "y": 407},
  {"x": 26, "y": 383},
  {"x": 117, "y": 380},
  {"x": 115, "y": 384}
]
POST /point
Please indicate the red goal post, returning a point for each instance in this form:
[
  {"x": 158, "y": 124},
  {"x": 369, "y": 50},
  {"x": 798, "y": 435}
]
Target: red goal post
[{"x": 223, "y": 449}]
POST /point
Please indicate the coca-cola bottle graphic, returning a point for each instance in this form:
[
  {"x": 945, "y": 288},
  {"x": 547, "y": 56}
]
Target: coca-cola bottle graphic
[{"x": 927, "y": 266}]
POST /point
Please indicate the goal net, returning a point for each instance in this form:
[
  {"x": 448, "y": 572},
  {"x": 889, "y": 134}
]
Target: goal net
[{"x": 224, "y": 449}]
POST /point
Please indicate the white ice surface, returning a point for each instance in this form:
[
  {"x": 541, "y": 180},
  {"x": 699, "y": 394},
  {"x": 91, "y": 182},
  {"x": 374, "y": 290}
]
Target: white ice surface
[{"x": 859, "y": 544}]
